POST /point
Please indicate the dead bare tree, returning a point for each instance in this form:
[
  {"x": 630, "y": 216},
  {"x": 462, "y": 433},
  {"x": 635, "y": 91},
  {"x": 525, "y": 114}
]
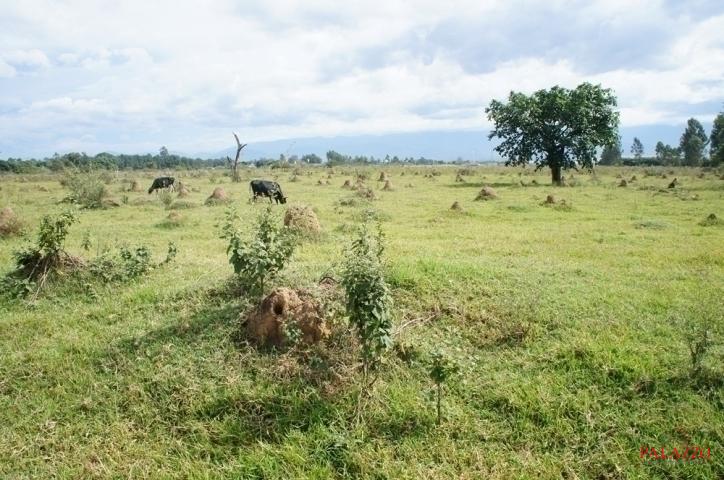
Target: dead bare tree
[{"x": 235, "y": 164}]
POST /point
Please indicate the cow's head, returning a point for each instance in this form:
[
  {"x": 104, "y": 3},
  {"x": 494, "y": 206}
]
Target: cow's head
[{"x": 279, "y": 197}]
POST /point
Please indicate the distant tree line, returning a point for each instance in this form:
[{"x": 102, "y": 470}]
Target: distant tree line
[
  {"x": 109, "y": 161},
  {"x": 691, "y": 151},
  {"x": 167, "y": 161}
]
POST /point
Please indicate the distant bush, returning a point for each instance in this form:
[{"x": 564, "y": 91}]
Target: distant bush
[{"x": 86, "y": 190}]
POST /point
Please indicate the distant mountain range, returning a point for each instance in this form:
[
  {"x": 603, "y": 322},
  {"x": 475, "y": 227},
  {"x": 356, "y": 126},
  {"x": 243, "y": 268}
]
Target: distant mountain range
[{"x": 437, "y": 145}]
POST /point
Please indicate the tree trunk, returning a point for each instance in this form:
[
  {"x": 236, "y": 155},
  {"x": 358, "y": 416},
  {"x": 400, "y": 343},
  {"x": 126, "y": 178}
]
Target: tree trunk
[
  {"x": 235, "y": 164},
  {"x": 439, "y": 409},
  {"x": 556, "y": 174}
]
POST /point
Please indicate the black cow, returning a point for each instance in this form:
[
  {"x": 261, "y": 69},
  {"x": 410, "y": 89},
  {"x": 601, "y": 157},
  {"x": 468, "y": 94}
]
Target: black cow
[
  {"x": 162, "y": 182},
  {"x": 266, "y": 188}
]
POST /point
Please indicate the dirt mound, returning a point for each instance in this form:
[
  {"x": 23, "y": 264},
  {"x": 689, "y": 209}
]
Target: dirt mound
[
  {"x": 487, "y": 193},
  {"x": 282, "y": 312},
  {"x": 182, "y": 190},
  {"x": 217, "y": 197},
  {"x": 302, "y": 218},
  {"x": 383, "y": 177},
  {"x": 623, "y": 183},
  {"x": 9, "y": 223},
  {"x": 347, "y": 184},
  {"x": 456, "y": 206},
  {"x": 388, "y": 186},
  {"x": 174, "y": 217}
]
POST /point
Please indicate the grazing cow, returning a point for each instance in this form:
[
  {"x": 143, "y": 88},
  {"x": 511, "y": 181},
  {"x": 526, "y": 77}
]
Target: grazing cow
[
  {"x": 162, "y": 182},
  {"x": 266, "y": 188}
]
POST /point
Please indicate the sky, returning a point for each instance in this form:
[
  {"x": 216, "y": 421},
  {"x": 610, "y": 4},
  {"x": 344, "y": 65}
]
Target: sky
[{"x": 131, "y": 76}]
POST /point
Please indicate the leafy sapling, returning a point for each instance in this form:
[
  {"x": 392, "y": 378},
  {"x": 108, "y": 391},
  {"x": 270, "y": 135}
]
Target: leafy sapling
[
  {"x": 263, "y": 255},
  {"x": 441, "y": 368},
  {"x": 368, "y": 300}
]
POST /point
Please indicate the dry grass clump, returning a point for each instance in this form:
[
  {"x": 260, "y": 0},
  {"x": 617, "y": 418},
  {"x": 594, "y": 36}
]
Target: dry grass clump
[
  {"x": 182, "y": 191},
  {"x": 367, "y": 193},
  {"x": 388, "y": 186},
  {"x": 487, "y": 193},
  {"x": 218, "y": 197},
  {"x": 347, "y": 184},
  {"x": 302, "y": 218},
  {"x": 456, "y": 207},
  {"x": 135, "y": 186},
  {"x": 10, "y": 224},
  {"x": 623, "y": 183}
]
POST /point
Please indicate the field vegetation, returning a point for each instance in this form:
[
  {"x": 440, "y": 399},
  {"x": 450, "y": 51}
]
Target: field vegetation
[{"x": 546, "y": 332}]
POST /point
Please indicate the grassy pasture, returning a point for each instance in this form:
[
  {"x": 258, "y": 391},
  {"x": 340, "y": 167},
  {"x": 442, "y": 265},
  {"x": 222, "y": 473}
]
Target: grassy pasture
[{"x": 572, "y": 321}]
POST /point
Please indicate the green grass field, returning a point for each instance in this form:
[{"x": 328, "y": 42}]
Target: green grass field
[{"x": 571, "y": 321}]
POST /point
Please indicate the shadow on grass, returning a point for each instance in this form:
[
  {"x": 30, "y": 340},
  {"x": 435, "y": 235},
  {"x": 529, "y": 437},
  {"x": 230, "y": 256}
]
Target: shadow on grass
[{"x": 246, "y": 418}]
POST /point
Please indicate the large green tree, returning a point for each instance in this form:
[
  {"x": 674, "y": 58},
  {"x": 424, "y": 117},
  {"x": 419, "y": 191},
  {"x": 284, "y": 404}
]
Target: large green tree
[
  {"x": 693, "y": 142},
  {"x": 556, "y": 128},
  {"x": 717, "y": 140}
]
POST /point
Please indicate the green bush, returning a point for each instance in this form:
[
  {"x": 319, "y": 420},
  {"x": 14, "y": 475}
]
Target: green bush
[
  {"x": 86, "y": 190},
  {"x": 368, "y": 300},
  {"x": 262, "y": 255}
]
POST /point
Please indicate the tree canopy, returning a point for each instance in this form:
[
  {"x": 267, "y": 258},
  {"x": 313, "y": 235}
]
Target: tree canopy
[
  {"x": 716, "y": 142},
  {"x": 556, "y": 128},
  {"x": 637, "y": 148},
  {"x": 693, "y": 142}
]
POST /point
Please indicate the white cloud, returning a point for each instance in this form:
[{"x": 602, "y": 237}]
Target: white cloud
[{"x": 188, "y": 72}]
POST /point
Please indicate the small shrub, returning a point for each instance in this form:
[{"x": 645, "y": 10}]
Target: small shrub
[
  {"x": 34, "y": 264},
  {"x": 441, "y": 368},
  {"x": 699, "y": 343},
  {"x": 86, "y": 190},
  {"x": 262, "y": 256},
  {"x": 368, "y": 299},
  {"x": 127, "y": 263}
]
